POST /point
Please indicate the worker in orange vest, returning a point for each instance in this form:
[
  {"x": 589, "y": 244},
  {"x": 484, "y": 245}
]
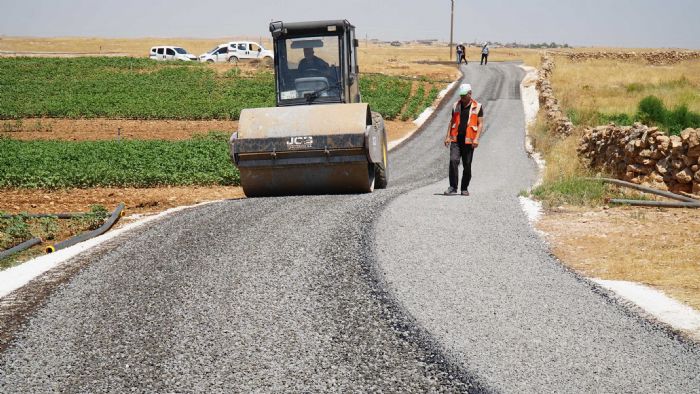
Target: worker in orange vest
[{"x": 462, "y": 137}]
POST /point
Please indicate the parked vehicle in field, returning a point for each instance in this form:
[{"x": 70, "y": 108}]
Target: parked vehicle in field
[
  {"x": 171, "y": 53},
  {"x": 246, "y": 50},
  {"x": 218, "y": 54},
  {"x": 236, "y": 51}
]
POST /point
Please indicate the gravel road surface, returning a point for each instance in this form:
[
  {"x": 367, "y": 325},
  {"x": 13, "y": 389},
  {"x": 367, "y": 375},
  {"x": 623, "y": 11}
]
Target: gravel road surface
[{"x": 364, "y": 293}]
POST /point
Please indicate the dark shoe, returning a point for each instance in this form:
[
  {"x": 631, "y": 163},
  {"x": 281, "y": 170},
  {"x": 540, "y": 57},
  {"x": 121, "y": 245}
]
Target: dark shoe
[
  {"x": 450, "y": 191},
  {"x": 465, "y": 192}
]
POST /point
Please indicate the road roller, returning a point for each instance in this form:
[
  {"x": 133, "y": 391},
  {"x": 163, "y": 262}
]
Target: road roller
[{"x": 320, "y": 138}]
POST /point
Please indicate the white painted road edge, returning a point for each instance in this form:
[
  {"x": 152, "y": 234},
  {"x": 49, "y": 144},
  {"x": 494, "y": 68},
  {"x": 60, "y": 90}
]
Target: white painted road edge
[
  {"x": 532, "y": 208},
  {"x": 655, "y": 303},
  {"x": 13, "y": 278},
  {"x": 531, "y": 106}
]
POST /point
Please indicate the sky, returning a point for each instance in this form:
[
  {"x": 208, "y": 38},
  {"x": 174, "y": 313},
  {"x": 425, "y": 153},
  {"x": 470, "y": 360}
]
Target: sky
[{"x": 613, "y": 23}]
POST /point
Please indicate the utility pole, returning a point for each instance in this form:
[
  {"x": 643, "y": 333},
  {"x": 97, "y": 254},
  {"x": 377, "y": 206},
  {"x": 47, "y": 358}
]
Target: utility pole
[{"x": 452, "y": 25}]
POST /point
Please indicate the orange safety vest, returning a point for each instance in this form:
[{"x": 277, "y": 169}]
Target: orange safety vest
[{"x": 473, "y": 124}]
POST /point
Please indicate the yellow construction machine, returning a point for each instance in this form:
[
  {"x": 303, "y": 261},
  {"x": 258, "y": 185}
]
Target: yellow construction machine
[{"x": 320, "y": 138}]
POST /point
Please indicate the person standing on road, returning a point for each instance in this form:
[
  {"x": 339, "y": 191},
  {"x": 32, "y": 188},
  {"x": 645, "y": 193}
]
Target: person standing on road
[
  {"x": 463, "y": 137},
  {"x": 461, "y": 54},
  {"x": 485, "y": 54}
]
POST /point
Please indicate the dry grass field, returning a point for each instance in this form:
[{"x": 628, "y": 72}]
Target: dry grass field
[
  {"x": 374, "y": 57},
  {"x": 137, "y": 47},
  {"x": 612, "y": 87}
]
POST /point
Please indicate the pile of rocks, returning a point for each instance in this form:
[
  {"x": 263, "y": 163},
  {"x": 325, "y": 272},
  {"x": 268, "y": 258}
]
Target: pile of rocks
[
  {"x": 653, "y": 57},
  {"x": 559, "y": 122},
  {"x": 645, "y": 155}
]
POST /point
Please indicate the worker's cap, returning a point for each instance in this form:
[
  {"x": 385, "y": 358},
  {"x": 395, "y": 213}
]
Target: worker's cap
[{"x": 465, "y": 89}]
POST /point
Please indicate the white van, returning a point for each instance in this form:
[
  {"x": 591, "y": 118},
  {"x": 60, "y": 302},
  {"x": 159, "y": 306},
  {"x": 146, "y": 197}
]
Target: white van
[
  {"x": 236, "y": 51},
  {"x": 218, "y": 54},
  {"x": 171, "y": 53}
]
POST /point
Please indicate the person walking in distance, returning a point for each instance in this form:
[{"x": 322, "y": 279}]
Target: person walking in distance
[
  {"x": 464, "y": 55},
  {"x": 462, "y": 138},
  {"x": 485, "y": 54},
  {"x": 460, "y": 53}
]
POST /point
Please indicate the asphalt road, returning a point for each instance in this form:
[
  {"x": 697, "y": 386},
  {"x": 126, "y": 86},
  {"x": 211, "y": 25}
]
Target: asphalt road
[{"x": 399, "y": 290}]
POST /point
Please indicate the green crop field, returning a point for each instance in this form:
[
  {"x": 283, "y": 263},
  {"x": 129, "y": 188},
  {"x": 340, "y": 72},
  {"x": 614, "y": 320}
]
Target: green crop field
[
  {"x": 126, "y": 88},
  {"x": 143, "y": 89},
  {"x": 61, "y": 164},
  {"x": 386, "y": 95},
  {"x": 100, "y": 87}
]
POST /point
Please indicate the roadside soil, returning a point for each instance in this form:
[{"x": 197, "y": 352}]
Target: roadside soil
[
  {"x": 396, "y": 129},
  {"x": 108, "y": 129},
  {"x": 656, "y": 247},
  {"x": 137, "y": 201}
]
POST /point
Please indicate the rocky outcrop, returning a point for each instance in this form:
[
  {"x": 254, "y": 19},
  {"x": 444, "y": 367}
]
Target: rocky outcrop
[
  {"x": 558, "y": 122},
  {"x": 651, "y": 57},
  {"x": 645, "y": 155}
]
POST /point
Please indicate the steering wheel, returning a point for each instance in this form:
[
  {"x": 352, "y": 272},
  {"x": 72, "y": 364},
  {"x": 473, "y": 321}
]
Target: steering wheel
[{"x": 311, "y": 72}]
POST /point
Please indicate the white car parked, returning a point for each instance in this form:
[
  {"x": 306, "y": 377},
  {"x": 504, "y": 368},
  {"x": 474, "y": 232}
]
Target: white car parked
[
  {"x": 171, "y": 53},
  {"x": 236, "y": 51}
]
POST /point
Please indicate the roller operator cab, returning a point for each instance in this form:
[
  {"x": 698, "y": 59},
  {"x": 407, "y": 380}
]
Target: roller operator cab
[{"x": 320, "y": 138}]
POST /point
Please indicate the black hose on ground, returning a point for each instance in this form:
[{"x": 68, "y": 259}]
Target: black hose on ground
[
  {"x": 16, "y": 249},
  {"x": 664, "y": 204},
  {"x": 685, "y": 202},
  {"x": 89, "y": 234},
  {"x": 645, "y": 189}
]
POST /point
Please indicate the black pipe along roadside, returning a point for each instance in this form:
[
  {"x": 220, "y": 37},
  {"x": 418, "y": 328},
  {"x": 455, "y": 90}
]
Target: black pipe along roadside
[
  {"x": 18, "y": 248},
  {"x": 683, "y": 201},
  {"x": 118, "y": 212}
]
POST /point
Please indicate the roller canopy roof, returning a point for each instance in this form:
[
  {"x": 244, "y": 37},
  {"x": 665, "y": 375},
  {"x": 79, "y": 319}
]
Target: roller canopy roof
[{"x": 320, "y": 28}]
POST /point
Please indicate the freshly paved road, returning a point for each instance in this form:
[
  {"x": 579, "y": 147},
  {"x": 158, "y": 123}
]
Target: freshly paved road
[{"x": 399, "y": 290}]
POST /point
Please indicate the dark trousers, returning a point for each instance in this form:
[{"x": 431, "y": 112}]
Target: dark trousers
[
  {"x": 484, "y": 59},
  {"x": 463, "y": 57},
  {"x": 464, "y": 152}
]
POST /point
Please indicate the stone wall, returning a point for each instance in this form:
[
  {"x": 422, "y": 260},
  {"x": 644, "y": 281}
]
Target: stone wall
[
  {"x": 652, "y": 57},
  {"x": 645, "y": 155},
  {"x": 556, "y": 119}
]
